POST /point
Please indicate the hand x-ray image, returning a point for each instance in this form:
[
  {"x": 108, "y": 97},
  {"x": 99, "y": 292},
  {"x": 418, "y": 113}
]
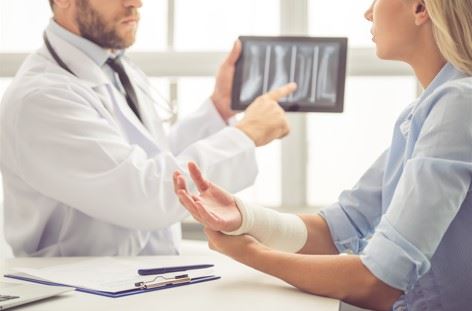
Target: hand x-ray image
[{"x": 317, "y": 65}]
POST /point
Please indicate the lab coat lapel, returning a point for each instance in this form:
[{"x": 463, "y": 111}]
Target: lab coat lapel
[
  {"x": 91, "y": 75},
  {"x": 146, "y": 105},
  {"x": 130, "y": 116},
  {"x": 88, "y": 72},
  {"x": 151, "y": 120}
]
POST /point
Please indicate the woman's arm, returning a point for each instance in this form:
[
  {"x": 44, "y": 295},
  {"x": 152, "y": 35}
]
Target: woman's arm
[
  {"x": 217, "y": 210},
  {"x": 335, "y": 276},
  {"x": 319, "y": 240}
]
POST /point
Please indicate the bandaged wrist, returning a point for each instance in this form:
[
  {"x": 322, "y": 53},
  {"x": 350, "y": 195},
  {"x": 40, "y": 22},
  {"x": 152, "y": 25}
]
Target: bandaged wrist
[{"x": 281, "y": 231}]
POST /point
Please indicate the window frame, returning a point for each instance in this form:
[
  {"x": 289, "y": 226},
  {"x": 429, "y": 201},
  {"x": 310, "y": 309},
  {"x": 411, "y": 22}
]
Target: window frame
[{"x": 173, "y": 64}]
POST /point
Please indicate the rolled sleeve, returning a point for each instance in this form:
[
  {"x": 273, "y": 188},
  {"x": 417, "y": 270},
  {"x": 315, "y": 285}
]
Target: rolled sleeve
[
  {"x": 344, "y": 235},
  {"x": 353, "y": 218},
  {"x": 428, "y": 197},
  {"x": 431, "y": 191},
  {"x": 393, "y": 259}
]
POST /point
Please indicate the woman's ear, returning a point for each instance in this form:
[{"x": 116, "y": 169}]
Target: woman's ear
[{"x": 420, "y": 13}]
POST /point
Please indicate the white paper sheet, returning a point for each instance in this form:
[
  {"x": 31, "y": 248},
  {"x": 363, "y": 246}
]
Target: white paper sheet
[{"x": 102, "y": 274}]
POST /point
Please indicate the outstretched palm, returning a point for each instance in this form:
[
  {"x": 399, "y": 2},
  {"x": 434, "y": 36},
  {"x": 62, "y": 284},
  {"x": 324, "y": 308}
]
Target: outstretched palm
[{"x": 213, "y": 207}]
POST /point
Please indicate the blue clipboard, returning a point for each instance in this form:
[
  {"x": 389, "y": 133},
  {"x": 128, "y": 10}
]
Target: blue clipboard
[{"x": 124, "y": 293}]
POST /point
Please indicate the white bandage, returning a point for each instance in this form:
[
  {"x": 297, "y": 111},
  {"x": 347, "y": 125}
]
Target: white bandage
[{"x": 284, "y": 232}]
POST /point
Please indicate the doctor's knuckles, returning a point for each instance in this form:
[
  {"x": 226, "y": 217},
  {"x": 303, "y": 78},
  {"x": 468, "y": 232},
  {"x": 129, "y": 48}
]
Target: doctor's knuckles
[{"x": 264, "y": 120}]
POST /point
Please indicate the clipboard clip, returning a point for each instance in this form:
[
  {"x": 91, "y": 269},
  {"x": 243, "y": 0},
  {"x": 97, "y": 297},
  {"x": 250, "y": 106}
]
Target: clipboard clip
[{"x": 161, "y": 281}]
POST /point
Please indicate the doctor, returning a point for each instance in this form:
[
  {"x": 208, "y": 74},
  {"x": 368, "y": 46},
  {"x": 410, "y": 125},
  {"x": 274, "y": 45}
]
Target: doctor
[{"x": 87, "y": 166}]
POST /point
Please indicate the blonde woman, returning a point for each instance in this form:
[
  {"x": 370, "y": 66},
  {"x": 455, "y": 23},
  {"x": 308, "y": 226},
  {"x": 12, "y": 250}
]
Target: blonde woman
[{"x": 408, "y": 221}]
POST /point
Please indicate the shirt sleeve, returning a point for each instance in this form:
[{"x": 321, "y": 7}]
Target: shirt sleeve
[
  {"x": 430, "y": 192},
  {"x": 356, "y": 214}
]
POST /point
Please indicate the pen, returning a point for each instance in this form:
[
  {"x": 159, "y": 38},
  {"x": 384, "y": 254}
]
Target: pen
[{"x": 164, "y": 270}]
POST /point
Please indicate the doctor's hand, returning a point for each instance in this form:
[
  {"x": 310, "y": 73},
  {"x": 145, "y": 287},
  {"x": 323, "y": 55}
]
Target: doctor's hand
[
  {"x": 224, "y": 83},
  {"x": 264, "y": 120},
  {"x": 213, "y": 207}
]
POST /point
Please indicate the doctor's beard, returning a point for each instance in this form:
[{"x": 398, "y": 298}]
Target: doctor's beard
[{"x": 94, "y": 27}]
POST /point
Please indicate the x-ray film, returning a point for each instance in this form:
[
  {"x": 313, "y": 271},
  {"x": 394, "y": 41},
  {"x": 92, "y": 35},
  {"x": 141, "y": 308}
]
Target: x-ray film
[{"x": 317, "y": 65}]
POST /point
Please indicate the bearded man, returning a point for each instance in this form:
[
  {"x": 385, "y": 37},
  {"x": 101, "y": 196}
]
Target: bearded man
[{"x": 86, "y": 162}]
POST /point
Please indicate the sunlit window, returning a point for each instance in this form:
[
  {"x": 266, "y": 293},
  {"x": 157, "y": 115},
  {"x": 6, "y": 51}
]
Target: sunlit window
[
  {"x": 343, "y": 146},
  {"x": 192, "y": 93},
  {"x": 21, "y": 29},
  {"x": 22, "y": 23},
  {"x": 267, "y": 189},
  {"x": 152, "y": 32},
  {"x": 342, "y": 18},
  {"x": 215, "y": 24}
]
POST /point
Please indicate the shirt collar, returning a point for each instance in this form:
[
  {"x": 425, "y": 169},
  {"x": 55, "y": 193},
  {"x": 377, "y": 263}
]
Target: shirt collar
[
  {"x": 448, "y": 72},
  {"x": 98, "y": 54}
]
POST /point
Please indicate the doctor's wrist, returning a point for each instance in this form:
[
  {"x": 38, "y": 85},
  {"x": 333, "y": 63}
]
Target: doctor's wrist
[
  {"x": 222, "y": 105},
  {"x": 250, "y": 132}
]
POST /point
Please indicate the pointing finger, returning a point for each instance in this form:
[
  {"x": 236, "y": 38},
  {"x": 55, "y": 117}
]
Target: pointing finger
[{"x": 281, "y": 92}]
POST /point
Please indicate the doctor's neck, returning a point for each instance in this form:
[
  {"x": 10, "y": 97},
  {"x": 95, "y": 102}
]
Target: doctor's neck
[
  {"x": 67, "y": 23},
  {"x": 74, "y": 28}
]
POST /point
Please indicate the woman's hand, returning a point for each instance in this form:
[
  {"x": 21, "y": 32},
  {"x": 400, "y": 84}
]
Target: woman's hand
[
  {"x": 240, "y": 247},
  {"x": 213, "y": 207}
]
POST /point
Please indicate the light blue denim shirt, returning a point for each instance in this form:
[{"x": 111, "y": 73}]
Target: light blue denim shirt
[{"x": 410, "y": 215}]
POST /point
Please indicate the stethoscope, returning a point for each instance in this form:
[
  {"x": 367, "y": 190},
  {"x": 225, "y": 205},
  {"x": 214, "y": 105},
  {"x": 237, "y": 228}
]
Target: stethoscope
[{"x": 170, "y": 108}]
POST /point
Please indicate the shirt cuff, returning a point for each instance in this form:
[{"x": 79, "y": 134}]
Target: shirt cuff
[
  {"x": 344, "y": 234},
  {"x": 393, "y": 259},
  {"x": 241, "y": 137}
]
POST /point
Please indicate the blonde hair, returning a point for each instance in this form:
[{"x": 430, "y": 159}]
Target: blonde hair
[{"x": 452, "y": 29}]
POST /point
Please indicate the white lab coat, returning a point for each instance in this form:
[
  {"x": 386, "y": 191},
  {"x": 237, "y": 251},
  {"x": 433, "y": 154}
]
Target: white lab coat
[{"x": 82, "y": 176}]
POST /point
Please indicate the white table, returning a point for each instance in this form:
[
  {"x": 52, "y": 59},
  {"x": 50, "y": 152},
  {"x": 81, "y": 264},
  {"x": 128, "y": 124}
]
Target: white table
[{"x": 240, "y": 288}]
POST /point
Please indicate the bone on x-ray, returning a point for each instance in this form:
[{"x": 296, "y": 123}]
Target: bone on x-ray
[{"x": 313, "y": 67}]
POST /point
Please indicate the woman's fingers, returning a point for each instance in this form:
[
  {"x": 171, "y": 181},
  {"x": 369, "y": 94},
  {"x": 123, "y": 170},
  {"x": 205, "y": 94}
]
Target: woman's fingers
[
  {"x": 174, "y": 179},
  {"x": 189, "y": 204},
  {"x": 180, "y": 189},
  {"x": 193, "y": 203},
  {"x": 197, "y": 177},
  {"x": 179, "y": 182}
]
